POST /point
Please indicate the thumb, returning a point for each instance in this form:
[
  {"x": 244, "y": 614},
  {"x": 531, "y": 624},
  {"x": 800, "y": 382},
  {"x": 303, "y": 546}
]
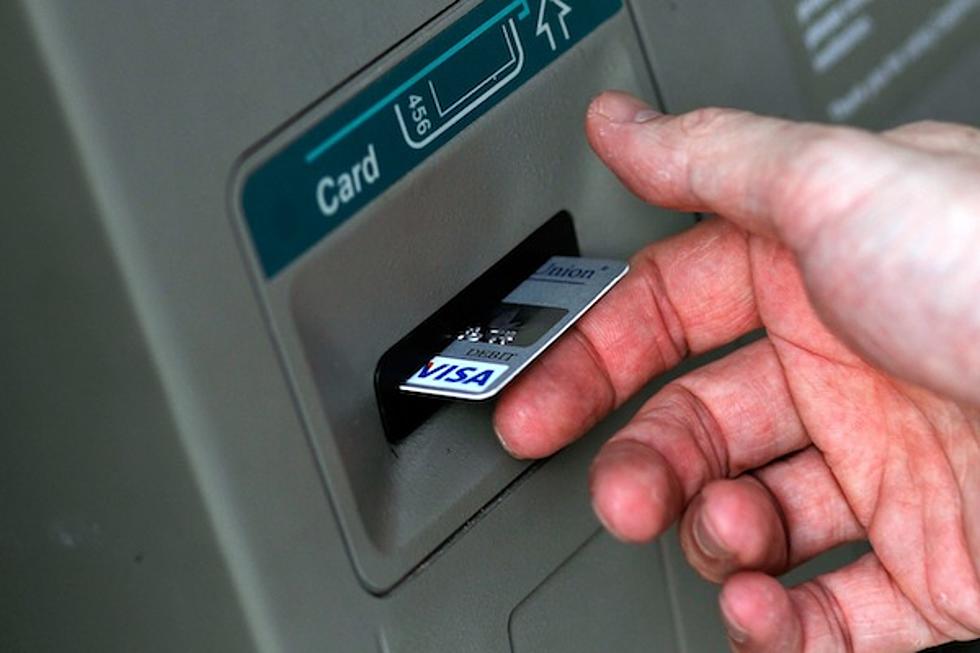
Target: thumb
[{"x": 886, "y": 233}]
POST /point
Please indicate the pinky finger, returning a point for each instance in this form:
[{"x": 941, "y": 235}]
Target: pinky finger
[{"x": 857, "y": 608}]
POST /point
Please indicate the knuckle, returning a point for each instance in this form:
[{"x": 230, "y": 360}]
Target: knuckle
[
  {"x": 705, "y": 121},
  {"x": 705, "y": 433},
  {"x": 825, "y": 148},
  {"x": 670, "y": 340},
  {"x": 816, "y": 178},
  {"x": 832, "y": 621}
]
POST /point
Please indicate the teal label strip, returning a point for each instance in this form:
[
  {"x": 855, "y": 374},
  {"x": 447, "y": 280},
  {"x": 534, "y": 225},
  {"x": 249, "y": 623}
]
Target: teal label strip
[{"x": 352, "y": 156}]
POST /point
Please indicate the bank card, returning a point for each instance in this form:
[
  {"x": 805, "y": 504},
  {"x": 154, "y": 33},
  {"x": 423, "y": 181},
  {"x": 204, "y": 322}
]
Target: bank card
[{"x": 491, "y": 350}]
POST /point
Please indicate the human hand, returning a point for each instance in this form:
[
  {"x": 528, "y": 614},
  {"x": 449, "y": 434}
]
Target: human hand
[{"x": 856, "y": 417}]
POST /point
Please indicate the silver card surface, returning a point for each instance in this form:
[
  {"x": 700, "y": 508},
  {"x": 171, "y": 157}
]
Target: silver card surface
[{"x": 488, "y": 354}]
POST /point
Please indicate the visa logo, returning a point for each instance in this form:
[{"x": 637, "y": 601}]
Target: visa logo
[{"x": 457, "y": 374}]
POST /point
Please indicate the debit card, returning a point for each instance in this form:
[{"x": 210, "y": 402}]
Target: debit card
[{"x": 501, "y": 341}]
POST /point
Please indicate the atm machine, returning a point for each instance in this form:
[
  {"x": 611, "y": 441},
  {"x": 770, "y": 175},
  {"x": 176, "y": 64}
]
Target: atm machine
[{"x": 221, "y": 217}]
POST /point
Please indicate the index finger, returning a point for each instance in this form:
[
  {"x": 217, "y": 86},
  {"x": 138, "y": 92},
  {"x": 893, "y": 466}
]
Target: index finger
[{"x": 685, "y": 295}]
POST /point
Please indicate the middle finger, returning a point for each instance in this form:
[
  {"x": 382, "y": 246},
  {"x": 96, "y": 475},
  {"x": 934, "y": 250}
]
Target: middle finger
[{"x": 732, "y": 415}]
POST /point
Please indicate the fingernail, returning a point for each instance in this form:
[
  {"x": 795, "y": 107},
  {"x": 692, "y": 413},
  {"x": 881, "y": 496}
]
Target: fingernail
[
  {"x": 646, "y": 115},
  {"x": 735, "y": 632},
  {"x": 706, "y": 540},
  {"x": 503, "y": 443},
  {"x": 623, "y": 108}
]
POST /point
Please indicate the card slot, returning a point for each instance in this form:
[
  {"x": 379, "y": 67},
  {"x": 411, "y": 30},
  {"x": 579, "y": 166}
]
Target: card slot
[{"x": 401, "y": 414}]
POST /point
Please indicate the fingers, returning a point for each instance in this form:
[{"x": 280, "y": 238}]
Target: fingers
[
  {"x": 687, "y": 294},
  {"x": 771, "y": 176},
  {"x": 784, "y": 514},
  {"x": 715, "y": 422},
  {"x": 857, "y": 608}
]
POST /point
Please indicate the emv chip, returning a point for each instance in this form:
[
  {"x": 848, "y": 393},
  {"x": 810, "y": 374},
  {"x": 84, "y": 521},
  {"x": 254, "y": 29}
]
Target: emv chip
[{"x": 492, "y": 349}]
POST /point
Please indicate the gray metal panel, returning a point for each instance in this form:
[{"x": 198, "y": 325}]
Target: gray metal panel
[
  {"x": 104, "y": 544},
  {"x": 582, "y": 607},
  {"x": 752, "y": 57},
  {"x": 717, "y": 53},
  {"x": 160, "y": 100},
  {"x": 952, "y": 96}
]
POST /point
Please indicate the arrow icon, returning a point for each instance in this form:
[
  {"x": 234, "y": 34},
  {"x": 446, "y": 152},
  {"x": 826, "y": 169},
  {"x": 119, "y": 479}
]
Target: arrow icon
[{"x": 552, "y": 9}]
